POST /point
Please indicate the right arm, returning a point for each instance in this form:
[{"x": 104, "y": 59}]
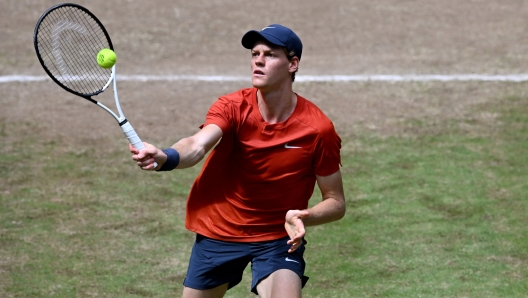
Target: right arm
[{"x": 191, "y": 149}]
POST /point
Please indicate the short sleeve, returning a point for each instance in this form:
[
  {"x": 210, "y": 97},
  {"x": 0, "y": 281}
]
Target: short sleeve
[
  {"x": 220, "y": 113},
  {"x": 327, "y": 154}
]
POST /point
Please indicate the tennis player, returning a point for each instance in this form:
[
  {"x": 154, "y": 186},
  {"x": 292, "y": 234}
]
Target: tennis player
[{"x": 249, "y": 204}]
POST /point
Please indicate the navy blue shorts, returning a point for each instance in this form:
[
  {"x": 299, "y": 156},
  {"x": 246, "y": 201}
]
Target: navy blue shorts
[{"x": 214, "y": 262}]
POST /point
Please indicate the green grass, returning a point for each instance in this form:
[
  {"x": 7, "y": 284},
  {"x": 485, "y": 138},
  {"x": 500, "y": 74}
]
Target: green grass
[
  {"x": 440, "y": 212},
  {"x": 436, "y": 215}
]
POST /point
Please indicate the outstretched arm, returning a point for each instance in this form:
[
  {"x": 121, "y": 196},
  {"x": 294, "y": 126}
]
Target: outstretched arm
[
  {"x": 331, "y": 208},
  {"x": 191, "y": 149}
]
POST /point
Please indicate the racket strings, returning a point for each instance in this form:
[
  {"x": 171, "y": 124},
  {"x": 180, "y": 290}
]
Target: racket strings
[{"x": 68, "y": 42}]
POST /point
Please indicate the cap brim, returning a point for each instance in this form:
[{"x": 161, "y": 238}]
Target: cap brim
[{"x": 251, "y": 37}]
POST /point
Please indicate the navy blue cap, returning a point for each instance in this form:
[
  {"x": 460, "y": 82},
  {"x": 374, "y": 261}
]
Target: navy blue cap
[{"x": 277, "y": 35}]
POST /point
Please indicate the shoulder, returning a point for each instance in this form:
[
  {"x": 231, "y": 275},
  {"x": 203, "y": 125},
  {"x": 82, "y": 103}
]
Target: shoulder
[
  {"x": 230, "y": 109},
  {"x": 238, "y": 97},
  {"x": 311, "y": 115},
  {"x": 236, "y": 101}
]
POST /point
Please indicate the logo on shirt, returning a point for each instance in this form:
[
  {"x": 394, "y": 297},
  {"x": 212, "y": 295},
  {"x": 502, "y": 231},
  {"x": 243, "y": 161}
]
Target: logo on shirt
[{"x": 290, "y": 147}]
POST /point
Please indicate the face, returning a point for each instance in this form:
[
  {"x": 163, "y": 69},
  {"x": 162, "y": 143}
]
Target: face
[{"x": 270, "y": 66}]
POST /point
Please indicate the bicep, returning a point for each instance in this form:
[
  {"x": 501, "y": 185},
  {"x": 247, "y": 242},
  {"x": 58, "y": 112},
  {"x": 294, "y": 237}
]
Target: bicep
[
  {"x": 208, "y": 136},
  {"x": 331, "y": 186},
  {"x": 333, "y": 206}
]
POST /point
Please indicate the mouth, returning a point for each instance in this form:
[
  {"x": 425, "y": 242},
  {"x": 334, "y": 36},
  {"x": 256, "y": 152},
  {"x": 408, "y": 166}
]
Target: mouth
[{"x": 257, "y": 72}]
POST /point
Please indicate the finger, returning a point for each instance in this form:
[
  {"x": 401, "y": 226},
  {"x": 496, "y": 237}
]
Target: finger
[
  {"x": 153, "y": 165},
  {"x": 294, "y": 241},
  {"x": 133, "y": 149},
  {"x": 299, "y": 234},
  {"x": 148, "y": 166},
  {"x": 145, "y": 156},
  {"x": 301, "y": 214},
  {"x": 293, "y": 248},
  {"x": 141, "y": 155}
]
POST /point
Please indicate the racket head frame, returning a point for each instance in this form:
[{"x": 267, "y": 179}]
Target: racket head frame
[
  {"x": 43, "y": 63},
  {"x": 126, "y": 127}
]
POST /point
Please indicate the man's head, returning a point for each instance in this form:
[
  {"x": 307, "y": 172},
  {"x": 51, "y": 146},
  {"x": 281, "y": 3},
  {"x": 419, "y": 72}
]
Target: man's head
[{"x": 277, "y": 35}]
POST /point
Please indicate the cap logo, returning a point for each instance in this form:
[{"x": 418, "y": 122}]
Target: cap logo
[{"x": 267, "y": 28}]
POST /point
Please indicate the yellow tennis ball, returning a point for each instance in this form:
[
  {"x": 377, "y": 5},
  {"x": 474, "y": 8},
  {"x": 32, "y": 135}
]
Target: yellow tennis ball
[{"x": 106, "y": 58}]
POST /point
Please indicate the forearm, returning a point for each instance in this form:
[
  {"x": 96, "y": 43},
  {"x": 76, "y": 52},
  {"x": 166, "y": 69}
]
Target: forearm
[
  {"x": 333, "y": 205},
  {"x": 330, "y": 209},
  {"x": 326, "y": 211},
  {"x": 190, "y": 152}
]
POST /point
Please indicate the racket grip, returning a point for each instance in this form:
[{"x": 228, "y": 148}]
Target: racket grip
[{"x": 133, "y": 138}]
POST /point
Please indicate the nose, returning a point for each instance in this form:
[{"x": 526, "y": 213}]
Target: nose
[{"x": 259, "y": 60}]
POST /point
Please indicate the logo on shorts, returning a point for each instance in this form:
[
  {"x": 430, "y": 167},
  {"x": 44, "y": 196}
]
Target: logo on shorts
[{"x": 290, "y": 260}]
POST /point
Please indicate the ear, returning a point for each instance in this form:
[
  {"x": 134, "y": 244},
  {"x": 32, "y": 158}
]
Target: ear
[{"x": 294, "y": 64}]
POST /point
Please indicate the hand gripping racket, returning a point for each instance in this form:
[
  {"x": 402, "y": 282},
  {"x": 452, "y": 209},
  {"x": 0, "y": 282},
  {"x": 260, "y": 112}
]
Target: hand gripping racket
[{"x": 67, "y": 39}]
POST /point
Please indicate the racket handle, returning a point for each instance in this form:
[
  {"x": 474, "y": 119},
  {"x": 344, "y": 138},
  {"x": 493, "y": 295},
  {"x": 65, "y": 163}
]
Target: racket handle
[{"x": 133, "y": 138}]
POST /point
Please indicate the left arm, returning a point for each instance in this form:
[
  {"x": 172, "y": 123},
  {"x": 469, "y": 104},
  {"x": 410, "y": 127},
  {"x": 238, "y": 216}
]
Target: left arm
[{"x": 331, "y": 208}]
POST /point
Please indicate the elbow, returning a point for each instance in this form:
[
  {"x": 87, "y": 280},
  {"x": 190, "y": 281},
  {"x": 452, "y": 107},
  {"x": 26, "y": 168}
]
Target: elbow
[
  {"x": 338, "y": 210},
  {"x": 341, "y": 210},
  {"x": 341, "y": 214}
]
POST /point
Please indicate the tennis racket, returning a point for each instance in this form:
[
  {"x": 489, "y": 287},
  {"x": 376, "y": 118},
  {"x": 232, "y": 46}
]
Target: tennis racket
[{"x": 67, "y": 39}]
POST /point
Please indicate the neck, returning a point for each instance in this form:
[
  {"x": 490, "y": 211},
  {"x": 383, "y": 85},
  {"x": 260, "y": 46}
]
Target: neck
[{"x": 276, "y": 106}]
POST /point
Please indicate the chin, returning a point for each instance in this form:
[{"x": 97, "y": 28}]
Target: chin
[{"x": 258, "y": 83}]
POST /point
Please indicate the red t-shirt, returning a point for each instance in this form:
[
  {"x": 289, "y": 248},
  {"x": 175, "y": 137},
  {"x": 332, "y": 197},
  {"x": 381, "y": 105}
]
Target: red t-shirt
[{"x": 259, "y": 171}]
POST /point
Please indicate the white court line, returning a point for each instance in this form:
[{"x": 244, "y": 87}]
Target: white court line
[{"x": 301, "y": 78}]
